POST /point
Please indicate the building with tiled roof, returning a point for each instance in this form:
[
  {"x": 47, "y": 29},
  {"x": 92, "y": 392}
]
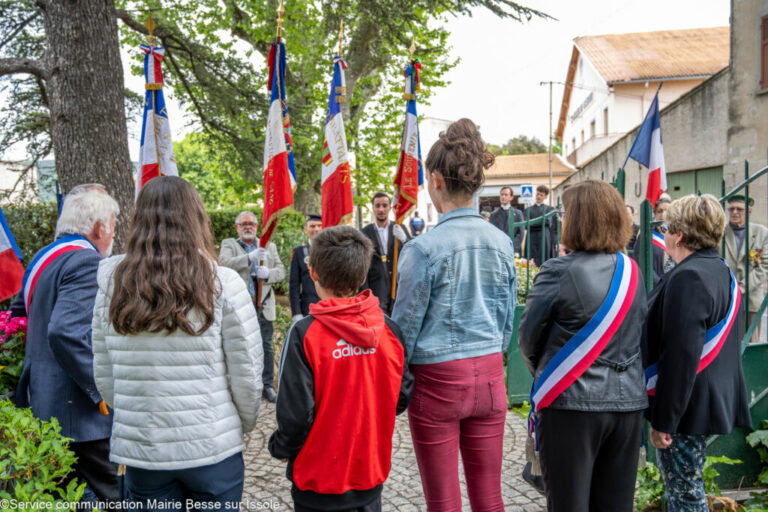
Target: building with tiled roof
[{"x": 612, "y": 79}]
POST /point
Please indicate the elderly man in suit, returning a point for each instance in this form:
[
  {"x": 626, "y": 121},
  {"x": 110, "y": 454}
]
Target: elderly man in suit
[
  {"x": 500, "y": 217},
  {"x": 383, "y": 233},
  {"x": 57, "y": 297},
  {"x": 252, "y": 262},
  {"x": 737, "y": 247}
]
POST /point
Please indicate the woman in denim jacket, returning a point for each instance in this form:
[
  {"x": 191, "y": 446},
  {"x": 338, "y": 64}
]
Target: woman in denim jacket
[{"x": 455, "y": 303}]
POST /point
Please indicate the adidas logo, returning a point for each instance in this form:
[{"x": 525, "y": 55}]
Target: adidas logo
[{"x": 347, "y": 350}]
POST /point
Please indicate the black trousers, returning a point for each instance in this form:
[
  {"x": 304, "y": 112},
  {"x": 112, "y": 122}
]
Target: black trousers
[
  {"x": 94, "y": 468},
  {"x": 589, "y": 459},
  {"x": 374, "y": 506},
  {"x": 267, "y": 330}
]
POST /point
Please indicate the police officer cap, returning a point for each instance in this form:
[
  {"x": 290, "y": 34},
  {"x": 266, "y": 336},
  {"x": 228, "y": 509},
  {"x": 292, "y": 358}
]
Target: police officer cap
[{"x": 313, "y": 216}]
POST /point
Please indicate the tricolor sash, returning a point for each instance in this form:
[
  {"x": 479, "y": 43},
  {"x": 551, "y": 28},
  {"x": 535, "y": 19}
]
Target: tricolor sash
[
  {"x": 658, "y": 241},
  {"x": 585, "y": 346},
  {"x": 45, "y": 257},
  {"x": 713, "y": 342}
]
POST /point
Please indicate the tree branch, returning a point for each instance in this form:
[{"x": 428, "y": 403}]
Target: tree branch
[
  {"x": 19, "y": 28},
  {"x": 29, "y": 66},
  {"x": 126, "y": 18}
]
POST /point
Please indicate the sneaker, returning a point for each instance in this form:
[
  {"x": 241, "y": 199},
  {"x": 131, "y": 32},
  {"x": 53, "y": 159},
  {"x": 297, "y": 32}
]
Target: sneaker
[{"x": 270, "y": 395}]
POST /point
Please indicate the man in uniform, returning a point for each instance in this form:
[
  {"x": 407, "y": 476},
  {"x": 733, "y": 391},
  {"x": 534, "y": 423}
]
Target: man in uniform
[
  {"x": 538, "y": 252},
  {"x": 301, "y": 287},
  {"x": 383, "y": 233},
  {"x": 500, "y": 217},
  {"x": 252, "y": 263}
]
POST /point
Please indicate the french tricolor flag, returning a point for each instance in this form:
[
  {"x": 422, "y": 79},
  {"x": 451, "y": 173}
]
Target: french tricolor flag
[
  {"x": 11, "y": 269},
  {"x": 648, "y": 151},
  {"x": 156, "y": 153},
  {"x": 279, "y": 173},
  {"x": 337, "y": 205},
  {"x": 410, "y": 172}
]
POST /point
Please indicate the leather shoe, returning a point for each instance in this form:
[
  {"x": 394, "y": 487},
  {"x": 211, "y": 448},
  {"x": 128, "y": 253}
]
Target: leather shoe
[{"x": 270, "y": 395}]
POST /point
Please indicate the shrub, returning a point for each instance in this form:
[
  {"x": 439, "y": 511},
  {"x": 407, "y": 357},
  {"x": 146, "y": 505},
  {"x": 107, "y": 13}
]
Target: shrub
[
  {"x": 34, "y": 225},
  {"x": 34, "y": 459}
]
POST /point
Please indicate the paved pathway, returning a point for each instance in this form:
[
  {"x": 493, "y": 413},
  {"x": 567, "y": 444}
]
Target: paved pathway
[{"x": 266, "y": 486}]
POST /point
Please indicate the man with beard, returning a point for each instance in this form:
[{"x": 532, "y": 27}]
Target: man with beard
[
  {"x": 383, "y": 233},
  {"x": 252, "y": 263},
  {"x": 57, "y": 297}
]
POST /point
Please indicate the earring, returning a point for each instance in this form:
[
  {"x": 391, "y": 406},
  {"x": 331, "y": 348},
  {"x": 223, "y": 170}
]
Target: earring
[{"x": 677, "y": 244}]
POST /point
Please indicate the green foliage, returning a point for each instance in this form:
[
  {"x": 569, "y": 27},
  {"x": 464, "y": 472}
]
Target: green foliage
[
  {"x": 215, "y": 63},
  {"x": 710, "y": 473},
  {"x": 650, "y": 483},
  {"x": 650, "y": 488},
  {"x": 33, "y": 226},
  {"x": 523, "y": 410},
  {"x": 218, "y": 184},
  {"x": 34, "y": 459},
  {"x": 759, "y": 441},
  {"x": 520, "y": 145}
]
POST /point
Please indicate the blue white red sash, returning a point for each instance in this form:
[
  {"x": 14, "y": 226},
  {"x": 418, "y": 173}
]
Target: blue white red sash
[
  {"x": 713, "y": 342},
  {"x": 45, "y": 257},
  {"x": 658, "y": 241},
  {"x": 585, "y": 346}
]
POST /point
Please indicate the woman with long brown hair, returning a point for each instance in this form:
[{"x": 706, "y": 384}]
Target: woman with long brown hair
[
  {"x": 580, "y": 336},
  {"x": 177, "y": 354}
]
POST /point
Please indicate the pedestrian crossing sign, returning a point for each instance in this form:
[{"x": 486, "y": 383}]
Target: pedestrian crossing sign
[{"x": 526, "y": 191}]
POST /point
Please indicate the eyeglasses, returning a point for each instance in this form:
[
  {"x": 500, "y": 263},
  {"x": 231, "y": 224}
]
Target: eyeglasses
[
  {"x": 247, "y": 224},
  {"x": 734, "y": 209}
]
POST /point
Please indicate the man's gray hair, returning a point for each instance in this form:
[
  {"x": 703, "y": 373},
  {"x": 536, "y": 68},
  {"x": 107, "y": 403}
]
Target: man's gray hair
[
  {"x": 79, "y": 189},
  {"x": 82, "y": 210},
  {"x": 243, "y": 214}
]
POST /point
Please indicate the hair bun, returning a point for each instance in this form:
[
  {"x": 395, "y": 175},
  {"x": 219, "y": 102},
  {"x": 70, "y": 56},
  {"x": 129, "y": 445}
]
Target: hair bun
[{"x": 461, "y": 157}]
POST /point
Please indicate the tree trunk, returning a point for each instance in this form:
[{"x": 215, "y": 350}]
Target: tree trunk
[{"x": 86, "y": 92}]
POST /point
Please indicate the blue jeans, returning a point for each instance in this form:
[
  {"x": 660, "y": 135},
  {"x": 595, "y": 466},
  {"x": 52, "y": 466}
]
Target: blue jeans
[
  {"x": 203, "y": 488},
  {"x": 682, "y": 466}
]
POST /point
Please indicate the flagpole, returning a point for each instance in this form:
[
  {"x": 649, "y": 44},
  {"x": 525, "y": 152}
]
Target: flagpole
[
  {"x": 280, "y": 14},
  {"x": 393, "y": 288}
]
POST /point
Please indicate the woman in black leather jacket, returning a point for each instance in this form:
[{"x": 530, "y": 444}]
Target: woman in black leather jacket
[
  {"x": 698, "y": 389},
  {"x": 589, "y": 435}
]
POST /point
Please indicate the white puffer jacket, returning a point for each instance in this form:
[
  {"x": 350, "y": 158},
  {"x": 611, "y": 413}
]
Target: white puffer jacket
[{"x": 180, "y": 401}]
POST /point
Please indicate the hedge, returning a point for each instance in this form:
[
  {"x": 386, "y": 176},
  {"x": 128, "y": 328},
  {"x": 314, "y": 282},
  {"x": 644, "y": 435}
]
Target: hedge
[{"x": 34, "y": 225}]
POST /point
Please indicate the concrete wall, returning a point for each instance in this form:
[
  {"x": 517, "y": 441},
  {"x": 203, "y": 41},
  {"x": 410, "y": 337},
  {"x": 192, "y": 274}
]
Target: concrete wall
[
  {"x": 693, "y": 132},
  {"x": 748, "y": 113}
]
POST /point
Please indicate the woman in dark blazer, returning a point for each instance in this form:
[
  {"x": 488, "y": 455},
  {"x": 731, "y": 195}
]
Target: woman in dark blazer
[
  {"x": 589, "y": 434},
  {"x": 692, "y": 351}
]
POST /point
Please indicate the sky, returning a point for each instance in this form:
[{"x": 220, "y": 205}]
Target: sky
[
  {"x": 502, "y": 62},
  {"x": 496, "y": 84}
]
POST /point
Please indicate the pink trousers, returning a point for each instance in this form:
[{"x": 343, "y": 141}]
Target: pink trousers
[{"x": 459, "y": 405}]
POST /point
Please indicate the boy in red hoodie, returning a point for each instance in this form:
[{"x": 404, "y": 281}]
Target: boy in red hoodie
[{"x": 342, "y": 380}]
